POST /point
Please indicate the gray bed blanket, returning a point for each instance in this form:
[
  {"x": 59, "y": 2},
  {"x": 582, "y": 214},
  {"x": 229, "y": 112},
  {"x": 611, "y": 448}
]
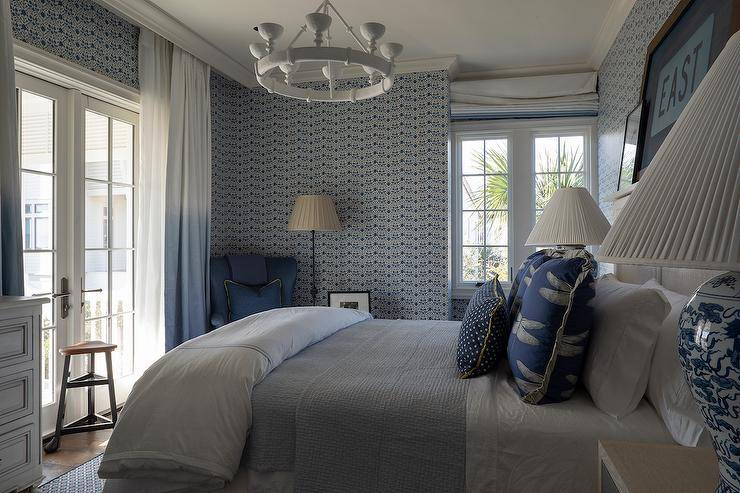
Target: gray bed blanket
[{"x": 375, "y": 407}]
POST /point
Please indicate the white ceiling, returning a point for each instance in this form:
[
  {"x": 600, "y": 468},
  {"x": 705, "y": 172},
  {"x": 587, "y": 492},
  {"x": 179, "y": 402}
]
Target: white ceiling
[{"x": 499, "y": 37}]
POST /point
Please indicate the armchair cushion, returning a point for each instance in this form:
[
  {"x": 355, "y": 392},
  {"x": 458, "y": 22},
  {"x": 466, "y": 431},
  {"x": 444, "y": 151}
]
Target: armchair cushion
[
  {"x": 248, "y": 270},
  {"x": 245, "y": 300}
]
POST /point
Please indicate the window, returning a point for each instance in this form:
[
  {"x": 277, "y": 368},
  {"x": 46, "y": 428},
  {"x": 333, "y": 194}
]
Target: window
[
  {"x": 503, "y": 175},
  {"x": 78, "y": 155},
  {"x": 36, "y": 129},
  {"x": 558, "y": 163},
  {"x": 109, "y": 232},
  {"x": 485, "y": 208}
]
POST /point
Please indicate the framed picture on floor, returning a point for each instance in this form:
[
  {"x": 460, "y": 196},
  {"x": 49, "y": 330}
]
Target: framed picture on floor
[
  {"x": 677, "y": 60},
  {"x": 629, "y": 148},
  {"x": 355, "y": 300}
]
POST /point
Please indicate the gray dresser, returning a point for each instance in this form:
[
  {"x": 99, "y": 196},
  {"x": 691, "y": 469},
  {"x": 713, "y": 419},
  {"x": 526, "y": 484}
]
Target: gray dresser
[{"x": 20, "y": 393}]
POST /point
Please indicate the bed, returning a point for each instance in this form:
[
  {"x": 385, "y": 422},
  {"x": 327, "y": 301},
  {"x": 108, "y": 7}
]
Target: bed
[{"x": 366, "y": 405}]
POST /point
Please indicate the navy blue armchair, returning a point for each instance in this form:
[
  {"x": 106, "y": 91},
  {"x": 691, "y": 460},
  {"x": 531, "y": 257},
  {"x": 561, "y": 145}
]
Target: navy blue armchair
[{"x": 251, "y": 270}]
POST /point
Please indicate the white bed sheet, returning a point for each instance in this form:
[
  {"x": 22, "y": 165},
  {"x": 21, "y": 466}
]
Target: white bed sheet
[
  {"x": 511, "y": 446},
  {"x": 516, "y": 447}
]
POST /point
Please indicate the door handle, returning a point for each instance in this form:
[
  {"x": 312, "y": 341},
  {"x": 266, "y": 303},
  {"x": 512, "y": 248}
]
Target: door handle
[
  {"x": 83, "y": 291},
  {"x": 64, "y": 294}
]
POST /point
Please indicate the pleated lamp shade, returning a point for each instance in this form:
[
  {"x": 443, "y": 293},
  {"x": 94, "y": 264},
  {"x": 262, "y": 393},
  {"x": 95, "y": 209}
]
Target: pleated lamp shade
[
  {"x": 570, "y": 218},
  {"x": 314, "y": 213},
  {"x": 684, "y": 211}
]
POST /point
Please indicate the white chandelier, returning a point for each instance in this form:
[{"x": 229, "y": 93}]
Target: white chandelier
[{"x": 379, "y": 69}]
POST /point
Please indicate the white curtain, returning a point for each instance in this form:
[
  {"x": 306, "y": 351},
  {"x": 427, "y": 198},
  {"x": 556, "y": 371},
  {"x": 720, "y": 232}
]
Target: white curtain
[
  {"x": 188, "y": 200},
  {"x": 155, "y": 67},
  {"x": 11, "y": 246},
  {"x": 547, "y": 95}
]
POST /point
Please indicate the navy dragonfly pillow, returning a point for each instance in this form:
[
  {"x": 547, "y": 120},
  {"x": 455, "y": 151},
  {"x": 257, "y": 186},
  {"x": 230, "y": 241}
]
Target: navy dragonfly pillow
[
  {"x": 484, "y": 331},
  {"x": 523, "y": 278},
  {"x": 549, "y": 338}
]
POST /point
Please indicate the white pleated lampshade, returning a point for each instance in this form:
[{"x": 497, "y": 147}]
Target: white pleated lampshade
[
  {"x": 571, "y": 217},
  {"x": 684, "y": 211},
  {"x": 314, "y": 213}
]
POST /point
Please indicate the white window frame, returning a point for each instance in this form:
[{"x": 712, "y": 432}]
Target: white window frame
[{"x": 521, "y": 143}]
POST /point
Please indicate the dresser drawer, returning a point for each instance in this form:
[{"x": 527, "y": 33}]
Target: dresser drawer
[
  {"x": 16, "y": 341},
  {"x": 19, "y": 449},
  {"x": 16, "y": 396}
]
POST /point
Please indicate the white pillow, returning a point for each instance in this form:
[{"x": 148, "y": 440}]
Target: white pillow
[
  {"x": 668, "y": 391},
  {"x": 623, "y": 337}
]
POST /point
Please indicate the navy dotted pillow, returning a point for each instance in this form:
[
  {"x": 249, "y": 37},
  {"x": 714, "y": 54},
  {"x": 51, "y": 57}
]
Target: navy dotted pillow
[{"x": 484, "y": 331}]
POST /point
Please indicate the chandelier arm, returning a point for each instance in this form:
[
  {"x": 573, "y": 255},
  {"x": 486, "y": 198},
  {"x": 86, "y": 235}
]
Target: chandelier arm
[
  {"x": 348, "y": 27},
  {"x": 328, "y": 64}
]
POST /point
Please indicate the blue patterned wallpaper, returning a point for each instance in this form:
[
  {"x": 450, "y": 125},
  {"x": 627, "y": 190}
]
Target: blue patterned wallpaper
[
  {"x": 80, "y": 31},
  {"x": 620, "y": 81},
  {"x": 383, "y": 160}
]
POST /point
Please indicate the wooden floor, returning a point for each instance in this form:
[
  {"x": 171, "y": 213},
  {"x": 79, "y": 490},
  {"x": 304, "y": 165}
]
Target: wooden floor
[{"x": 73, "y": 451}]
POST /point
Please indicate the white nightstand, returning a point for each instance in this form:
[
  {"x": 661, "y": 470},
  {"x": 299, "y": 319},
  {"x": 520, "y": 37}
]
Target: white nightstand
[{"x": 638, "y": 467}]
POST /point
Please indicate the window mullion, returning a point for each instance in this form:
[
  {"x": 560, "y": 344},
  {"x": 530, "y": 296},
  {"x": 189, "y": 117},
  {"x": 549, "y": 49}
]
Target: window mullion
[{"x": 110, "y": 231}]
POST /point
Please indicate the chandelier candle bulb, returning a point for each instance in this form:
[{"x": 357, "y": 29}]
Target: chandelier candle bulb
[{"x": 275, "y": 69}]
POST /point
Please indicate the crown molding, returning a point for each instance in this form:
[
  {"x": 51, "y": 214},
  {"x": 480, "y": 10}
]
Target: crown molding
[
  {"x": 145, "y": 14},
  {"x": 448, "y": 63},
  {"x": 613, "y": 21},
  {"x": 507, "y": 72},
  {"x": 38, "y": 63}
]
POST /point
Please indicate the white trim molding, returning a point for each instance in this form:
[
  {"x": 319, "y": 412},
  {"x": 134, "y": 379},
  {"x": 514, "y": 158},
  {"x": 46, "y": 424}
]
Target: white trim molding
[
  {"x": 613, "y": 21},
  {"x": 534, "y": 70},
  {"x": 145, "y": 14},
  {"x": 43, "y": 65}
]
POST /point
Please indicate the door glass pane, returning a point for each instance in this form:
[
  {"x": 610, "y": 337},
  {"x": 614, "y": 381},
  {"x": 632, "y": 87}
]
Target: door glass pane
[
  {"x": 123, "y": 152},
  {"x": 38, "y": 272},
  {"x": 37, "y": 132},
  {"x": 96, "y": 214},
  {"x": 96, "y": 330},
  {"x": 96, "y": 277},
  {"x": 48, "y": 346},
  {"x": 122, "y": 217},
  {"x": 96, "y": 146},
  {"x": 122, "y": 331},
  {"x": 122, "y": 283},
  {"x": 37, "y": 209}
]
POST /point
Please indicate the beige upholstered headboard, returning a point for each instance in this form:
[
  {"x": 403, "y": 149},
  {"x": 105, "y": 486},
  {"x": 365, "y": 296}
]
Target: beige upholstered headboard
[{"x": 683, "y": 281}]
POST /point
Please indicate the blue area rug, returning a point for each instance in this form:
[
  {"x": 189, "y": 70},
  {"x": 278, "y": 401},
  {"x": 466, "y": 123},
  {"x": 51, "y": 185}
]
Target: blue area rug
[{"x": 82, "y": 479}]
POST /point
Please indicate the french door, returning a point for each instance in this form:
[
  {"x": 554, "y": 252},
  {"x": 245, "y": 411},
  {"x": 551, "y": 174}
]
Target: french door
[{"x": 78, "y": 157}]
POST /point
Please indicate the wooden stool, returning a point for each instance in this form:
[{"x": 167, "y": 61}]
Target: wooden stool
[{"x": 92, "y": 421}]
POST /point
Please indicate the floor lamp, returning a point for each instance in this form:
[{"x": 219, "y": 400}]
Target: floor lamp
[{"x": 314, "y": 213}]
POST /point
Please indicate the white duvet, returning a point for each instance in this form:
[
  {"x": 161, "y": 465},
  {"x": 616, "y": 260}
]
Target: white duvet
[{"x": 187, "y": 418}]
